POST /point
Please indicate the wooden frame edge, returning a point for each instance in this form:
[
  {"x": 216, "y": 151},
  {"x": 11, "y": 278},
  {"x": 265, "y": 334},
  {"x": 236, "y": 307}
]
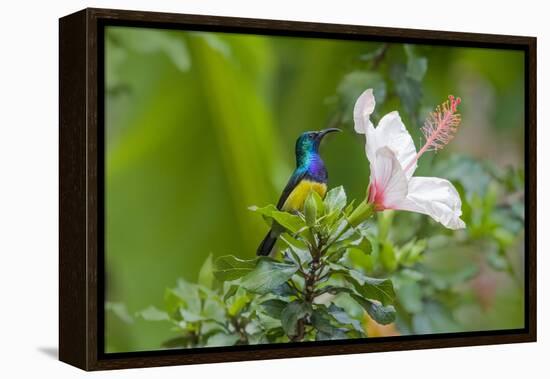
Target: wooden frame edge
[{"x": 72, "y": 190}]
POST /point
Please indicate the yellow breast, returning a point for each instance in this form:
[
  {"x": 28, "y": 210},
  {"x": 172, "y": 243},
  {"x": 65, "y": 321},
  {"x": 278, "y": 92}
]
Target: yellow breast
[{"x": 296, "y": 199}]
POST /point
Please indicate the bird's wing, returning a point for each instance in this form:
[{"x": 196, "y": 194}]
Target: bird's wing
[{"x": 294, "y": 180}]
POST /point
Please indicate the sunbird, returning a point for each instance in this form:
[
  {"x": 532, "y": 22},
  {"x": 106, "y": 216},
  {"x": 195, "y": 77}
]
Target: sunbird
[{"x": 310, "y": 175}]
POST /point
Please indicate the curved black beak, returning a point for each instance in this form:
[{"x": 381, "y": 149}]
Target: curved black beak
[{"x": 324, "y": 132}]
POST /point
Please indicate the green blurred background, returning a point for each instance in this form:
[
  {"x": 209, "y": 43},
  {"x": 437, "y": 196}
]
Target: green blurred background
[{"x": 199, "y": 126}]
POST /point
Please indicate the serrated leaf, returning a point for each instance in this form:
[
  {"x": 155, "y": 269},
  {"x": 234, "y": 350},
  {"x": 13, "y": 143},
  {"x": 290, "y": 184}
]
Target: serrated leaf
[
  {"x": 268, "y": 275},
  {"x": 230, "y": 267}
]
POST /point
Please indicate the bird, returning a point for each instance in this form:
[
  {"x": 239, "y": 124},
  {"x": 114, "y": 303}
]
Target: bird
[{"x": 310, "y": 175}]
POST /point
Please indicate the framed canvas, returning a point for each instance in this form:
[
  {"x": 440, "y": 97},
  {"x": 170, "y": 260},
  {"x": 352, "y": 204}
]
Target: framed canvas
[{"x": 239, "y": 189}]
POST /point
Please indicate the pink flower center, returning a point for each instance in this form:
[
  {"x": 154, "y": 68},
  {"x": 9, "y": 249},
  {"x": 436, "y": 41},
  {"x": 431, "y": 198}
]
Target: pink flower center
[{"x": 376, "y": 196}]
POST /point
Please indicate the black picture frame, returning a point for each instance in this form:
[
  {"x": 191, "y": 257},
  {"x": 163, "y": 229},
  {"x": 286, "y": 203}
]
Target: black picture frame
[{"x": 81, "y": 263}]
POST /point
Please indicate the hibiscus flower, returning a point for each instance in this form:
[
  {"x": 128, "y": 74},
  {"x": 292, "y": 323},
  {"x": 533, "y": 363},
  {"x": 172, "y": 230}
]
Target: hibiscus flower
[{"x": 393, "y": 160}]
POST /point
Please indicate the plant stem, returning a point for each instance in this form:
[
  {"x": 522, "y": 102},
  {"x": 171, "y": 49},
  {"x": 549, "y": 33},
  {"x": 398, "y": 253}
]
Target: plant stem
[{"x": 310, "y": 282}]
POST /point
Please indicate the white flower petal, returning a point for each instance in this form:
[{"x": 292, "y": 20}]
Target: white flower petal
[
  {"x": 388, "y": 181},
  {"x": 392, "y": 132},
  {"x": 434, "y": 197},
  {"x": 364, "y": 106}
]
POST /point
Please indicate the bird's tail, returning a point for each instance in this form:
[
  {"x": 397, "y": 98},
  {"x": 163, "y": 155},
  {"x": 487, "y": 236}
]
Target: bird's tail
[{"x": 267, "y": 243}]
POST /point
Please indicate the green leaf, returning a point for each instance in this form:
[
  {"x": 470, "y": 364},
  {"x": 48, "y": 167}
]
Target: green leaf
[
  {"x": 185, "y": 294},
  {"x": 291, "y": 314},
  {"x": 343, "y": 318},
  {"x": 291, "y": 222},
  {"x": 222, "y": 339},
  {"x": 310, "y": 209},
  {"x": 379, "y": 313},
  {"x": 349, "y": 208},
  {"x": 321, "y": 321},
  {"x": 120, "y": 310},
  {"x": 153, "y": 314},
  {"x": 335, "y": 199},
  {"x": 238, "y": 304},
  {"x": 365, "y": 246},
  {"x": 372, "y": 288},
  {"x": 231, "y": 290},
  {"x": 408, "y": 89},
  {"x": 273, "y": 334},
  {"x": 268, "y": 275},
  {"x": 319, "y": 204},
  {"x": 284, "y": 290},
  {"x": 298, "y": 248},
  {"x": 387, "y": 256},
  {"x": 230, "y": 267},
  {"x": 274, "y": 307},
  {"x": 264, "y": 211},
  {"x": 359, "y": 259},
  {"x": 416, "y": 66},
  {"x": 190, "y": 316},
  {"x": 213, "y": 310},
  {"x": 206, "y": 273}
]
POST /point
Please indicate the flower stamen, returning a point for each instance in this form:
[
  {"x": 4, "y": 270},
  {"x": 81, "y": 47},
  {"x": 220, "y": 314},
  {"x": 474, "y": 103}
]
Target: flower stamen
[{"x": 439, "y": 128}]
